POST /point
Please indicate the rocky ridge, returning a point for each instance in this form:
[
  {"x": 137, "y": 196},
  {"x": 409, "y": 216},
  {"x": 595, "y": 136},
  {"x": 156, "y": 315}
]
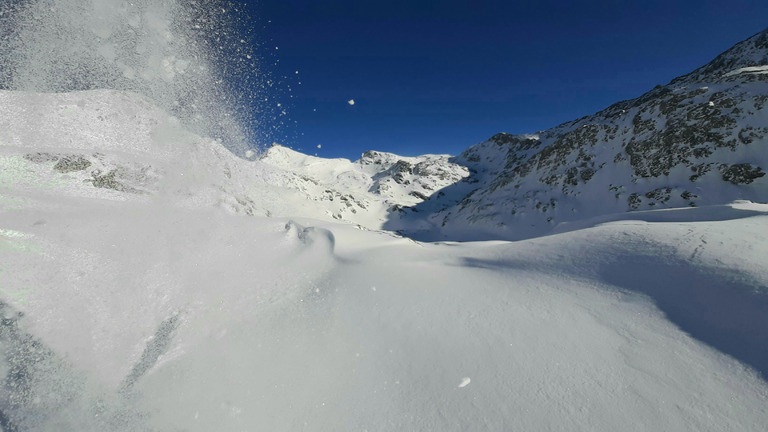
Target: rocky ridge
[{"x": 699, "y": 140}]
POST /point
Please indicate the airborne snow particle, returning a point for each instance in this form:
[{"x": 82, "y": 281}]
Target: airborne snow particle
[
  {"x": 319, "y": 146},
  {"x": 351, "y": 101},
  {"x": 464, "y": 382},
  {"x": 249, "y": 154}
]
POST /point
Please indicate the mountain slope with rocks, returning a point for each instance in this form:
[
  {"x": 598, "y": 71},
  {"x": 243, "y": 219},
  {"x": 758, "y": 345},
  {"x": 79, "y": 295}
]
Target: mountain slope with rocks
[{"x": 699, "y": 140}]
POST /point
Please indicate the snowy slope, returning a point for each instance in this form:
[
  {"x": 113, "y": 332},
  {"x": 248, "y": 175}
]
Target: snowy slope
[
  {"x": 367, "y": 191},
  {"x": 152, "y": 281},
  {"x": 142, "y": 288},
  {"x": 700, "y": 140},
  {"x": 150, "y": 318}
]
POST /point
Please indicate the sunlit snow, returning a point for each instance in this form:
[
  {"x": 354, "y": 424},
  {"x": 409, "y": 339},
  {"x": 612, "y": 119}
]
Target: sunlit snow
[
  {"x": 152, "y": 280},
  {"x": 159, "y": 308}
]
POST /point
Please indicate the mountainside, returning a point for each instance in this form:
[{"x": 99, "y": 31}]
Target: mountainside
[
  {"x": 369, "y": 190},
  {"x": 699, "y": 140},
  {"x": 118, "y": 146}
]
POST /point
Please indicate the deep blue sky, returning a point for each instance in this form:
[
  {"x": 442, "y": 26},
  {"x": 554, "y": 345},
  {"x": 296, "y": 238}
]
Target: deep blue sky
[{"x": 438, "y": 76}]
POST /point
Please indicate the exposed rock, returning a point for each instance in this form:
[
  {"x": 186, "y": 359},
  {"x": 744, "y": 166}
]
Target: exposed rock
[
  {"x": 41, "y": 157},
  {"x": 741, "y": 173},
  {"x": 110, "y": 181},
  {"x": 71, "y": 163}
]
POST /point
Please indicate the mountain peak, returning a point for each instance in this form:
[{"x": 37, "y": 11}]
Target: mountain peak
[{"x": 745, "y": 55}]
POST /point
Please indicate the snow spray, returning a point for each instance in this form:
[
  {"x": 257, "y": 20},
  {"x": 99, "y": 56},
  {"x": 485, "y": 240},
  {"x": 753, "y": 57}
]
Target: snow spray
[{"x": 194, "y": 59}]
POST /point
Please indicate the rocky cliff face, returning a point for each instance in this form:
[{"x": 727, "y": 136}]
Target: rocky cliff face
[{"x": 701, "y": 139}]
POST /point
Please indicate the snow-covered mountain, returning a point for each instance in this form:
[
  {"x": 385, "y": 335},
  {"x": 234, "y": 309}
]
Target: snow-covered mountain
[
  {"x": 115, "y": 145},
  {"x": 369, "y": 190},
  {"x": 701, "y": 139}
]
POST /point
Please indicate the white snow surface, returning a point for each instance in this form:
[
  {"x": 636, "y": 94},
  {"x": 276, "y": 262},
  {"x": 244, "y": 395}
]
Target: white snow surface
[{"x": 171, "y": 286}]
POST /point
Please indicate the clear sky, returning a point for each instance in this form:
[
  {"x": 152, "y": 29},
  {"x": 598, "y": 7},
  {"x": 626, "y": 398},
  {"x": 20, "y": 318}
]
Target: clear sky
[{"x": 438, "y": 76}]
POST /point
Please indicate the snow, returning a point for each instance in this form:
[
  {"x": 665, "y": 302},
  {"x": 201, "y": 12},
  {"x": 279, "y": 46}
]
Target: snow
[
  {"x": 749, "y": 70},
  {"x": 180, "y": 308},
  {"x": 364, "y": 191}
]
